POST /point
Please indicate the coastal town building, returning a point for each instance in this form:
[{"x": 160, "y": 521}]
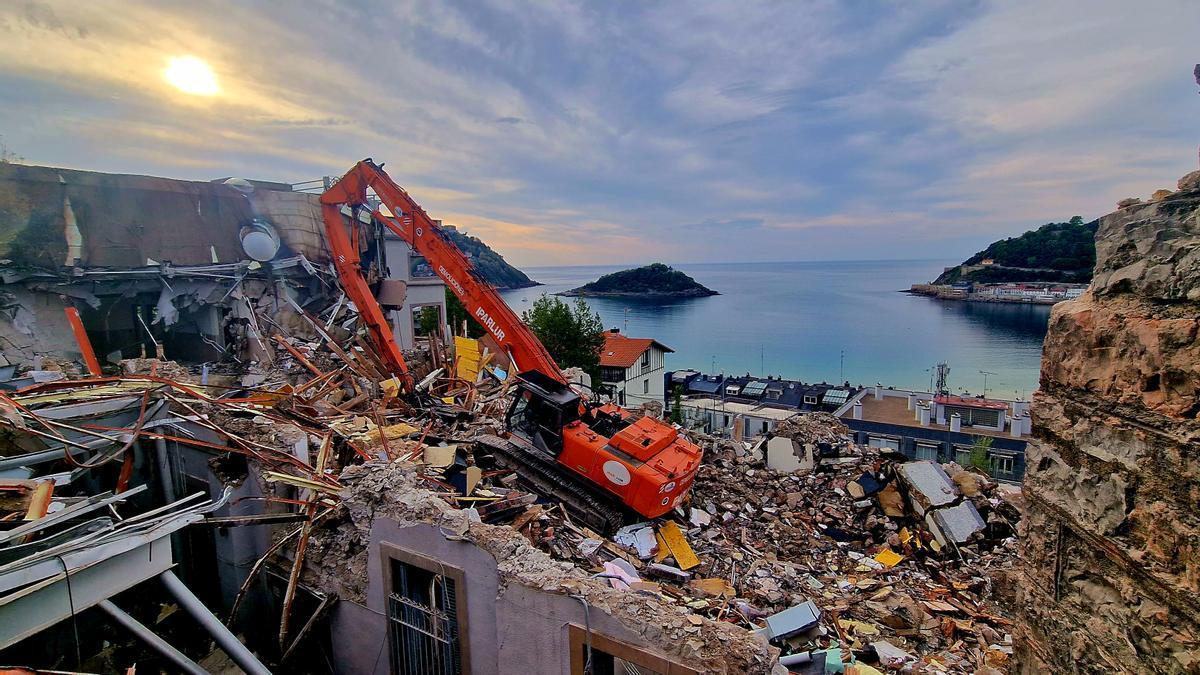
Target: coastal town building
[
  {"x": 1021, "y": 292},
  {"x": 918, "y": 425},
  {"x": 943, "y": 428},
  {"x": 632, "y": 368},
  {"x": 745, "y": 407}
]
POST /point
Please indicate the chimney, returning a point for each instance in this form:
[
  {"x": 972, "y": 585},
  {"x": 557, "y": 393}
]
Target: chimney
[
  {"x": 956, "y": 423},
  {"x": 858, "y": 409},
  {"x": 924, "y": 412},
  {"x": 912, "y": 400},
  {"x": 878, "y": 391}
]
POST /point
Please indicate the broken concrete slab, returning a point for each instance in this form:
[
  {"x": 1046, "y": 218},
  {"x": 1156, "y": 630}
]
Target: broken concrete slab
[
  {"x": 955, "y": 524},
  {"x": 786, "y": 455},
  {"x": 928, "y": 485},
  {"x": 793, "y": 620}
]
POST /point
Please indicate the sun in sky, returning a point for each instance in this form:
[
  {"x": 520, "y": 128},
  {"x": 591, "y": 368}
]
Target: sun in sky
[{"x": 191, "y": 76}]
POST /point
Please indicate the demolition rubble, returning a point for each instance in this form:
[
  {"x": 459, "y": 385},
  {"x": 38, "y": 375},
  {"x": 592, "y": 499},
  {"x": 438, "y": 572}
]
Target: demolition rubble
[
  {"x": 304, "y": 511},
  {"x": 855, "y": 559}
]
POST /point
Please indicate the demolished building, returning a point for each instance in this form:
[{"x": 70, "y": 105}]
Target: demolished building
[
  {"x": 160, "y": 266},
  {"x": 273, "y": 486},
  {"x": 1110, "y": 541}
]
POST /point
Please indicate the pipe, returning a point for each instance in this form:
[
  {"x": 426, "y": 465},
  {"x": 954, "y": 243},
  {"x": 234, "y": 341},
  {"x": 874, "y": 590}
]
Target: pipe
[
  {"x": 229, "y": 643},
  {"x": 50, "y": 455},
  {"x": 149, "y": 637},
  {"x": 164, "y": 469}
]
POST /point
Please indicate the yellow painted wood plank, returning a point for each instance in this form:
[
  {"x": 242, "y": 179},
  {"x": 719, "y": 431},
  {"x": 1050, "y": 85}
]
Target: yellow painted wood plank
[
  {"x": 663, "y": 550},
  {"x": 680, "y": 549}
]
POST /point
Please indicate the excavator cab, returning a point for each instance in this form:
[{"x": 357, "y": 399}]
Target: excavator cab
[{"x": 541, "y": 408}]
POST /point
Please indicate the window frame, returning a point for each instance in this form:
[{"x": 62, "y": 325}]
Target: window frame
[
  {"x": 1011, "y": 460},
  {"x": 577, "y": 639},
  {"x": 389, "y": 553},
  {"x": 919, "y": 446}
]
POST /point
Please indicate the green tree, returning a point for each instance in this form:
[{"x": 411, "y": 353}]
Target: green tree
[
  {"x": 428, "y": 319},
  {"x": 456, "y": 313},
  {"x": 573, "y": 334},
  {"x": 979, "y": 453},
  {"x": 677, "y": 406}
]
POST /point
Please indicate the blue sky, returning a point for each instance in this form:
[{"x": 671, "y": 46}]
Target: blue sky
[{"x": 629, "y": 132}]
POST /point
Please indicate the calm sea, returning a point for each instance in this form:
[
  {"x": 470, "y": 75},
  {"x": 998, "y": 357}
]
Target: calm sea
[{"x": 826, "y": 321}]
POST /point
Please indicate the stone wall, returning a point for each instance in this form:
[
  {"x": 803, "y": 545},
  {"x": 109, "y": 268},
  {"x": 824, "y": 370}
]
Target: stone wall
[{"x": 1111, "y": 539}]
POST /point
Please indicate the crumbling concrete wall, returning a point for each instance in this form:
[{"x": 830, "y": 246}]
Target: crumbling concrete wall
[
  {"x": 1111, "y": 540},
  {"x": 519, "y": 599}
]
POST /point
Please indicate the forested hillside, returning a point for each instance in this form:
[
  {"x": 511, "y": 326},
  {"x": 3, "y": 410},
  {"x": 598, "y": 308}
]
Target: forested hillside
[
  {"x": 1053, "y": 252},
  {"x": 492, "y": 265}
]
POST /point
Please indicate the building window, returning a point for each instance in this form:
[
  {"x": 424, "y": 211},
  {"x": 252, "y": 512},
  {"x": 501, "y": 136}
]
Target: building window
[
  {"x": 764, "y": 426},
  {"x": 611, "y": 374},
  {"x": 419, "y": 268},
  {"x": 975, "y": 417},
  {"x": 726, "y": 420},
  {"x": 1002, "y": 465},
  {"x": 645, "y": 386},
  {"x": 426, "y": 611},
  {"x": 926, "y": 451},
  {"x": 884, "y": 443},
  {"x": 962, "y": 455},
  {"x": 810, "y": 400},
  {"x": 646, "y": 360},
  {"x": 427, "y": 320},
  {"x": 606, "y": 655}
]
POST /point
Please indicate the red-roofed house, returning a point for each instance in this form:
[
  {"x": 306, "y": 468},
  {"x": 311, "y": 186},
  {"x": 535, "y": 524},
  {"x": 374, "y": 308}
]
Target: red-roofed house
[{"x": 633, "y": 367}]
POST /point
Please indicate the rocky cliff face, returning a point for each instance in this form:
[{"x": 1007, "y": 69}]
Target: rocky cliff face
[{"x": 1111, "y": 540}]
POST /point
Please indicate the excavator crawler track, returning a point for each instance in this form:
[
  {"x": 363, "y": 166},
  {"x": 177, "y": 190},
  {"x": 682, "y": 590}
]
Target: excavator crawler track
[{"x": 546, "y": 477}]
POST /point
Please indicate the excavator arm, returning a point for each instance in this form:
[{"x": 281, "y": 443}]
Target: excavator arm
[{"x": 402, "y": 215}]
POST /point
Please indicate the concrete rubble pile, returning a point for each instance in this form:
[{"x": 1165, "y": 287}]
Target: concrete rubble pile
[{"x": 807, "y": 545}]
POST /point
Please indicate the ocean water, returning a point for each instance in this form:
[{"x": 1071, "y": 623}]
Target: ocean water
[{"x": 826, "y": 321}]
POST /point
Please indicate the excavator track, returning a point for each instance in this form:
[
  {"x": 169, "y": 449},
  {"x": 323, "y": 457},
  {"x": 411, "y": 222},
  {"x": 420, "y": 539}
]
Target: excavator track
[{"x": 546, "y": 477}]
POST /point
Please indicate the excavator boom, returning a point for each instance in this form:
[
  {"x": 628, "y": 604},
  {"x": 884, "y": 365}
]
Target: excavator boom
[
  {"x": 590, "y": 457},
  {"x": 403, "y": 216}
]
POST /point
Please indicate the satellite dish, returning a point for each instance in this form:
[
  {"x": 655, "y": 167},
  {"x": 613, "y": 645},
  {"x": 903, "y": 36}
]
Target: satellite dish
[
  {"x": 240, "y": 184},
  {"x": 260, "y": 241}
]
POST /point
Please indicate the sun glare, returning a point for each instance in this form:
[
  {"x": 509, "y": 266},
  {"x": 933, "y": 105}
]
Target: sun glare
[{"x": 191, "y": 76}]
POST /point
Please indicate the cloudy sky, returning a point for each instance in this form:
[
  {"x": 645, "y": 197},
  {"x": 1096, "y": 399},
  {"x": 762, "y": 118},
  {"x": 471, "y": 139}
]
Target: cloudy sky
[{"x": 626, "y": 132}]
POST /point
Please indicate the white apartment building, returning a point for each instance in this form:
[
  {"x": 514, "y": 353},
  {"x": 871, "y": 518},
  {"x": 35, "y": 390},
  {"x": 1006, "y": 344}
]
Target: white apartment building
[{"x": 633, "y": 367}]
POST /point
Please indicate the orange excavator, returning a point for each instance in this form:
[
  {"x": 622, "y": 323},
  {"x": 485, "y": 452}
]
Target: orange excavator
[{"x": 598, "y": 459}]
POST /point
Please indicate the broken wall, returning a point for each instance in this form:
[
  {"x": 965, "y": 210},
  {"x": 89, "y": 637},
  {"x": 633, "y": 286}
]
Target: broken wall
[
  {"x": 520, "y": 601},
  {"x": 1111, "y": 541}
]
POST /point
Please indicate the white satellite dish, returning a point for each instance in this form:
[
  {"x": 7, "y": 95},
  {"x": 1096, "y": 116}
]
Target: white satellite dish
[{"x": 260, "y": 241}]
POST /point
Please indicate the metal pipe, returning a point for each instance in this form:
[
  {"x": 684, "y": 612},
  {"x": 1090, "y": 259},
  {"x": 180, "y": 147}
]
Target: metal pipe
[
  {"x": 56, "y": 453},
  {"x": 229, "y": 643},
  {"x": 157, "y": 643},
  {"x": 164, "y": 469}
]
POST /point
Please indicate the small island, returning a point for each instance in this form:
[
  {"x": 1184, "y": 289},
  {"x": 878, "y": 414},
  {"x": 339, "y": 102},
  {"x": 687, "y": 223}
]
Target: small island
[{"x": 650, "y": 282}]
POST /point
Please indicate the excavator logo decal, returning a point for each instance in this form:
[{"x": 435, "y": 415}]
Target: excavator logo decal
[
  {"x": 488, "y": 321},
  {"x": 480, "y": 313},
  {"x": 453, "y": 282}
]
